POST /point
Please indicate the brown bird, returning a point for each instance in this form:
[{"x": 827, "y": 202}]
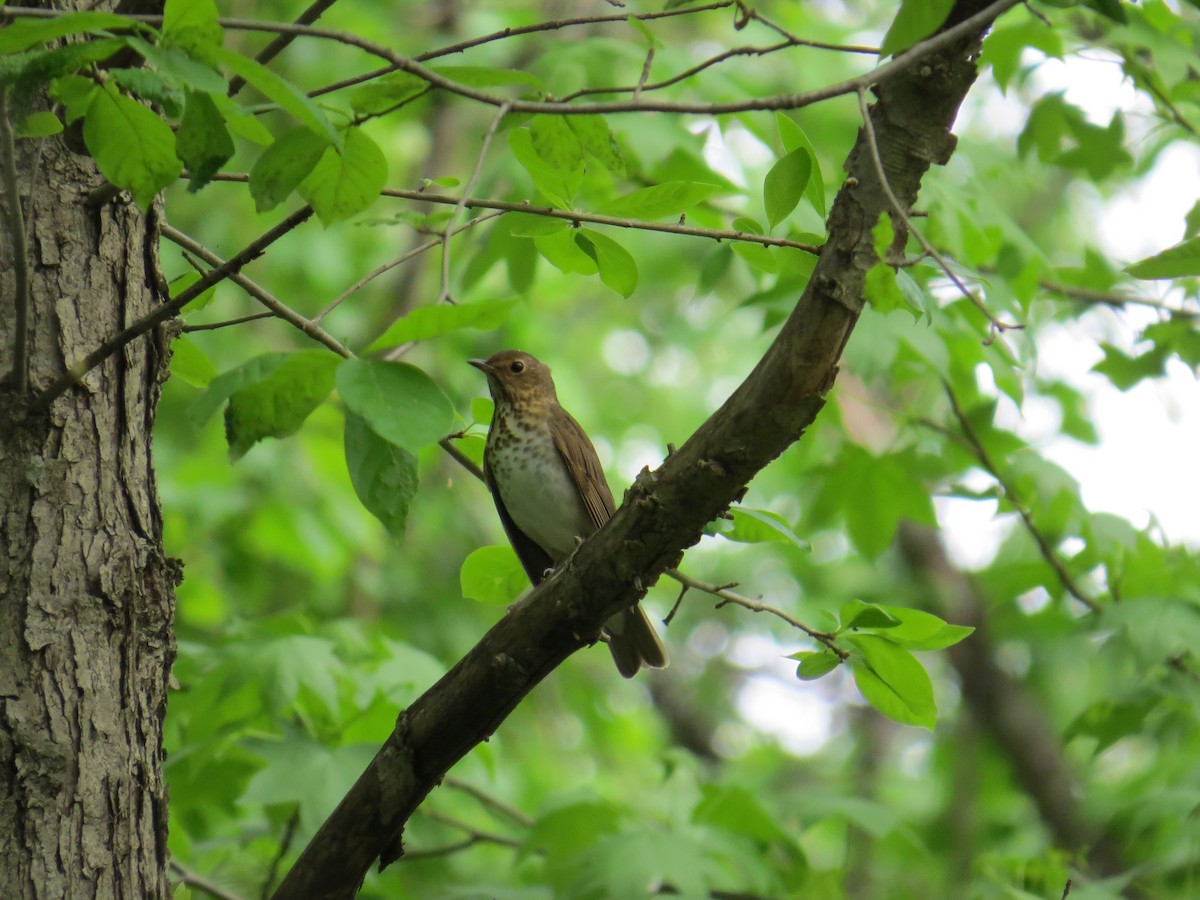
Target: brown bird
[{"x": 550, "y": 491}]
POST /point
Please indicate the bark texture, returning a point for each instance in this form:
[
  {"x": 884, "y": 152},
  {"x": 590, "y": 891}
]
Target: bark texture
[{"x": 86, "y": 594}]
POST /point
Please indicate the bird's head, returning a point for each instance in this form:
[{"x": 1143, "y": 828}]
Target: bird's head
[{"x": 516, "y": 377}]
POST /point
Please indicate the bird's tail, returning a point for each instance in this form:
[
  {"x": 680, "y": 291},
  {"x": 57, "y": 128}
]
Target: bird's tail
[{"x": 634, "y": 642}]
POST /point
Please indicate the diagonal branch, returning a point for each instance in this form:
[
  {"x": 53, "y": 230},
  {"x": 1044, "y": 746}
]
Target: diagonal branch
[
  {"x": 666, "y": 510},
  {"x": 277, "y": 307},
  {"x": 1045, "y": 546}
]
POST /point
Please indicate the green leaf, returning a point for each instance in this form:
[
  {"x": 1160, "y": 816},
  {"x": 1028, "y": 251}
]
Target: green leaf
[
  {"x": 1180, "y": 261},
  {"x": 386, "y": 93},
  {"x": 616, "y": 266},
  {"x": 857, "y": 614},
  {"x": 660, "y": 201},
  {"x": 785, "y": 185},
  {"x": 736, "y": 810},
  {"x": 565, "y": 254},
  {"x": 190, "y": 364},
  {"x": 1108, "y": 721},
  {"x": 482, "y": 409},
  {"x": 277, "y": 404},
  {"x": 816, "y": 663},
  {"x": 873, "y": 493},
  {"x": 226, "y": 383},
  {"x": 202, "y": 141},
  {"x": 283, "y": 93},
  {"x": 282, "y": 166},
  {"x": 175, "y": 63},
  {"x": 556, "y": 143},
  {"x": 493, "y": 575},
  {"x": 426, "y": 322},
  {"x": 569, "y": 830},
  {"x": 557, "y": 185},
  {"x": 532, "y": 225},
  {"x": 384, "y": 475},
  {"x": 1005, "y": 46},
  {"x": 242, "y": 122},
  {"x": 39, "y": 125},
  {"x": 74, "y": 92},
  {"x": 146, "y": 84},
  {"x": 757, "y": 526},
  {"x": 916, "y": 20},
  {"x": 345, "y": 183},
  {"x": 598, "y": 142},
  {"x": 133, "y": 147},
  {"x": 919, "y": 630},
  {"x": 1125, "y": 371},
  {"x": 792, "y": 136},
  {"x": 191, "y": 25},
  {"x": 22, "y": 34},
  {"x": 400, "y": 402},
  {"x": 892, "y": 681}
]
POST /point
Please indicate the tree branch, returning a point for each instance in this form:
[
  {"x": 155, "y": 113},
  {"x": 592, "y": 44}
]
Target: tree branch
[
  {"x": 198, "y": 882},
  {"x": 665, "y": 510},
  {"x": 726, "y": 595},
  {"x": 573, "y": 216},
  {"x": 1026, "y": 514},
  {"x": 277, "y": 307},
  {"x": 281, "y": 41},
  {"x": 897, "y": 66},
  {"x": 902, "y": 214}
]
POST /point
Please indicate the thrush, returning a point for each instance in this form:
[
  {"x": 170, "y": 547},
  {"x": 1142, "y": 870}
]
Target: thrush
[{"x": 550, "y": 491}]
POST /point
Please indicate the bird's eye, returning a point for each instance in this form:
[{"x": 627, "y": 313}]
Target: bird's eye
[{"x": 516, "y": 367}]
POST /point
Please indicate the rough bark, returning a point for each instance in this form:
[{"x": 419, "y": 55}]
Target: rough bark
[
  {"x": 86, "y": 594},
  {"x": 664, "y": 511}
]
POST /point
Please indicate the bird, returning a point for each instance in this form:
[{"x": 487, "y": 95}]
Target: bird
[{"x": 550, "y": 491}]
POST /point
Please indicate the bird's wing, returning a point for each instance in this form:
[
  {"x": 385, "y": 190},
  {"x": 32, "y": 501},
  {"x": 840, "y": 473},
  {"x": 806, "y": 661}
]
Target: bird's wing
[
  {"x": 533, "y": 558},
  {"x": 584, "y": 465}
]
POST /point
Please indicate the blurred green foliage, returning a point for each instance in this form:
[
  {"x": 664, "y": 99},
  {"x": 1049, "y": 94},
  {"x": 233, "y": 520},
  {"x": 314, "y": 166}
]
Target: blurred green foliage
[{"x": 306, "y": 622}]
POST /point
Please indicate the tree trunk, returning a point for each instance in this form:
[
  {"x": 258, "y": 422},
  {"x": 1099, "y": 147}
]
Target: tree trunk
[{"x": 86, "y": 593}]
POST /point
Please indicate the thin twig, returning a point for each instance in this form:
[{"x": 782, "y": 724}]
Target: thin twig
[
  {"x": 750, "y": 14},
  {"x": 388, "y": 266},
  {"x": 285, "y": 844},
  {"x": 727, "y": 596},
  {"x": 20, "y": 251},
  {"x": 253, "y": 250},
  {"x": 578, "y": 218},
  {"x": 198, "y": 882},
  {"x": 890, "y": 69},
  {"x": 498, "y": 806},
  {"x": 276, "y": 306},
  {"x": 902, "y": 215},
  {"x": 1112, "y": 298},
  {"x": 501, "y": 112},
  {"x": 1049, "y": 554},
  {"x": 281, "y": 41},
  {"x": 474, "y": 836},
  {"x": 447, "y": 444},
  {"x": 240, "y": 320}
]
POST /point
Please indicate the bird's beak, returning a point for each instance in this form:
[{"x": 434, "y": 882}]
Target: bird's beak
[{"x": 481, "y": 365}]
